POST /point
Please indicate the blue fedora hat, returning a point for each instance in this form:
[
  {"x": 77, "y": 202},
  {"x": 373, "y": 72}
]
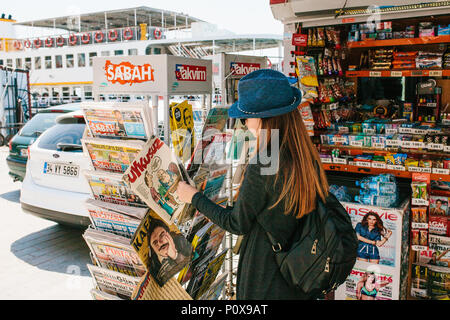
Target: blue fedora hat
[{"x": 265, "y": 93}]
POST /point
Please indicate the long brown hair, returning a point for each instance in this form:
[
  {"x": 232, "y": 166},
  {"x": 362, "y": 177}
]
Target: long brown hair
[
  {"x": 378, "y": 224},
  {"x": 301, "y": 183}
]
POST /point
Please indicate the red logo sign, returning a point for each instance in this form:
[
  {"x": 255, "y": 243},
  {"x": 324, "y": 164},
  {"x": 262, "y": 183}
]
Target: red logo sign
[
  {"x": 300, "y": 40},
  {"x": 242, "y": 69},
  {"x": 127, "y": 73},
  {"x": 185, "y": 72}
]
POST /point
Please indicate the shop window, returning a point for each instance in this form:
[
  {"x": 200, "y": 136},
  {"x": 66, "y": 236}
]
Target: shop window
[
  {"x": 19, "y": 63},
  {"x": 37, "y": 63},
  {"x": 91, "y": 56},
  {"x": 48, "y": 62},
  {"x": 1, "y": 62},
  {"x": 69, "y": 61},
  {"x": 88, "y": 92},
  {"x": 58, "y": 62},
  {"x": 81, "y": 60},
  {"x": 132, "y": 52},
  {"x": 118, "y": 52},
  {"x": 28, "y": 63},
  {"x": 9, "y": 63},
  {"x": 105, "y": 53},
  {"x": 156, "y": 50}
]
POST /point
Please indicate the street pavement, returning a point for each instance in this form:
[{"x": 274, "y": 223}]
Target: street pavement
[{"x": 39, "y": 259}]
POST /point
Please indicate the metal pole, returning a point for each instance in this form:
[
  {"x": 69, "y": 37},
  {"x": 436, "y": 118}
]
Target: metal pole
[
  {"x": 155, "y": 103},
  {"x": 166, "y": 120}
]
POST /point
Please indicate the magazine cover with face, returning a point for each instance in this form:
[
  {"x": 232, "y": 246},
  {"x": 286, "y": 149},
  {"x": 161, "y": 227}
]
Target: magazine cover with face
[
  {"x": 154, "y": 176},
  {"x": 162, "y": 248},
  {"x": 118, "y": 120},
  {"x": 110, "y": 187},
  {"x": 110, "y": 155}
]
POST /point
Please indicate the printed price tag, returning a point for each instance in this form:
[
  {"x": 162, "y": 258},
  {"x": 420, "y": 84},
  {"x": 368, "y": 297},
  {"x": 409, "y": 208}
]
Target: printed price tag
[
  {"x": 391, "y": 131},
  {"x": 440, "y": 171},
  {"x": 395, "y": 167},
  {"x": 419, "y": 169},
  {"x": 375, "y": 74},
  {"x": 418, "y": 225},
  {"x": 396, "y": 74},
  {"x": 356, "y": 143},
  {"x": 340, "y": 139},
  {"x": 419, "y": 202},
  {"x": 343, "y": 129},
  {"x": 419, "y": 248},
  {"x": 418, "y": 131},
  {"x": 339, "y": 160},
  {"x": 326, "y": 160},
  {"x": 392, "y": 143},
  {"x": 379, "y": 165},
  {"x": 435, "y": 146},
  {"x": 412, "y": 144},
  {"x": 369, "y": 131},
  {"x": 363, "y": 164},
  {"x": 435, "y": 73},
  {"x": 447, "y": 148},
  {"x": 405, "y": 130},
  {"x": 416, "y": 73},
  {"x": 378, "y": 145}
]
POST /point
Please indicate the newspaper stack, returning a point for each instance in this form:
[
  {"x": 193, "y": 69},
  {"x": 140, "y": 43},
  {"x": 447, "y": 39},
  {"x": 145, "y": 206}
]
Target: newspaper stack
[{"x": 137, "y": 248}]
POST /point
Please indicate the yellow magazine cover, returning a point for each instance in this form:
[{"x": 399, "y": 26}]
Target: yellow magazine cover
[{"x": 182, "y": 127}]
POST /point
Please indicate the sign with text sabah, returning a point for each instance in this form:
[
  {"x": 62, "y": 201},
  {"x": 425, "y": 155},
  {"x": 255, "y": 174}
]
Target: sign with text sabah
[{"x": 152, "y": 74}]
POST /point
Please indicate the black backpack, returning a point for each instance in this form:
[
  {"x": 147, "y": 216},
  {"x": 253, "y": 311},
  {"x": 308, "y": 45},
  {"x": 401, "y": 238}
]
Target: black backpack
[{"x": 323, "y": 251}]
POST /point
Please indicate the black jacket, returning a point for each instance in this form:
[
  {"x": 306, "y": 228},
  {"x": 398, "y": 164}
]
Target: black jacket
[{"x": 258, "y": 276}]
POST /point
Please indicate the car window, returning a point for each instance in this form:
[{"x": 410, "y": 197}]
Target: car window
[
  {"x": 62, "y": 133},
  {"x": 38, "y": 124}
]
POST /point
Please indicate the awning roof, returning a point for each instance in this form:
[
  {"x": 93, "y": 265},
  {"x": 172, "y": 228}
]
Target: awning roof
[{"x": 116, "y": 19}]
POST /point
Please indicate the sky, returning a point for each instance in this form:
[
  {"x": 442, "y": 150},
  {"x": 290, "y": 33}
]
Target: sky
[{"x": 239, "y": 16}]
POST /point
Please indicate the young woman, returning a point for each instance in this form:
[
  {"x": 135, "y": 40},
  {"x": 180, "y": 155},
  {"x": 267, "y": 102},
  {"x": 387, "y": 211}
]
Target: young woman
[
  {"x": 272, "y": 202},
  {"x": 368, "y": 288},
  {"x": 371, "y": 234}
]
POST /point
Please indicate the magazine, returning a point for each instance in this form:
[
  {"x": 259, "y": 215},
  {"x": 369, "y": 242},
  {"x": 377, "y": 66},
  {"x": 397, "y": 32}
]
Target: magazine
[
  {"x": 204, "y": 274},
  {"x": 161, "y": 247},
  {"x": 111, "y": 155},
  {"x": 102, "y": 296},
  {"x": 109, "y": 187},
  {"x": 108, "y": 220},
  {"x": 215, "y": 290},
  {"x": 182, "y": 127},
  {"x": 114, "y": 252},
  {"x": 215, "y": 123},
  {"x": 154, "y": 177},
  {"x": 148, "y": 289},
  {"x": 118, "y": 120},
  {"x": 114, "y": 283}
]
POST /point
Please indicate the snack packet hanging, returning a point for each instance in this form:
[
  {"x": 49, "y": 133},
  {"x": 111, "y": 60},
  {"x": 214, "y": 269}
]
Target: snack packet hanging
[{"x": 307, "y": 75}]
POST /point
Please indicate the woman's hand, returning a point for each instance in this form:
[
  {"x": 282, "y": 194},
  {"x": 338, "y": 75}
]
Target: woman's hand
[{"x": 185, "y": 192}]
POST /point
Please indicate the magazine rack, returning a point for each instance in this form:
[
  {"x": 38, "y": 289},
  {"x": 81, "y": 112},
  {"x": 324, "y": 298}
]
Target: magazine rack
[{"x": 154, "y": 76}]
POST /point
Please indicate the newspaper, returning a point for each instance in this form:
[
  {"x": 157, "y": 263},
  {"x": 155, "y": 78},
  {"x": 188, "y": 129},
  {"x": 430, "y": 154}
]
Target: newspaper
[
  {"x": 109, "y": 187},
  {"x": 108, "y": 220},
  {"x": 111, "y": 155},
  {"x": 148, "y": 289},
  {"x": 161, "y": 247},
  {"x": 114, "y": 252},
  {"x": 102, "y": 296},
  {"x": 134, "y": 212},
  {"x": 114, "y": 283},
  {"x": 154, "y": 177},
  {"x": 118, "y": 120},
  {"x": 215, "y": 290}
]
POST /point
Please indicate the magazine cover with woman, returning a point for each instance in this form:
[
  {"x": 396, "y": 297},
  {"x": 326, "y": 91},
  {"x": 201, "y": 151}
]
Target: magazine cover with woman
[
  {"x": 154, "y": 175},
  {"x": 118, "y": 120},
  {"x": 110, "y": 155}
]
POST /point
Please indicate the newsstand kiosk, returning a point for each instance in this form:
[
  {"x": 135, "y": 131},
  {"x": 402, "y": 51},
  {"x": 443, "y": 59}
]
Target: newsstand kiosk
[{"x": 377, "y": 81}]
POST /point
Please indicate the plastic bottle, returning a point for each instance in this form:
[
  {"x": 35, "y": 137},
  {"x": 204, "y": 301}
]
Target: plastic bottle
[
  {"x": 379, "y": 201},
  {"x": 380, "y": 187},
  {"x": 378, "y": 178}
]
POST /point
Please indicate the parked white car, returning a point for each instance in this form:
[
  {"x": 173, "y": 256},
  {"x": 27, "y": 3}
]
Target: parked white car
[{"x": 54, "y": 187}]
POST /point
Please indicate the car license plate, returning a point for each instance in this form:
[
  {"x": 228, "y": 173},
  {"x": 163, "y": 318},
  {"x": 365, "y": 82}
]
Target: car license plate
[{"x": 61, "y": 169}]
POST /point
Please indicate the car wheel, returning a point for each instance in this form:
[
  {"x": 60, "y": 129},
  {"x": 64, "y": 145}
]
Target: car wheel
[{"x": 2, "y": 140}]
